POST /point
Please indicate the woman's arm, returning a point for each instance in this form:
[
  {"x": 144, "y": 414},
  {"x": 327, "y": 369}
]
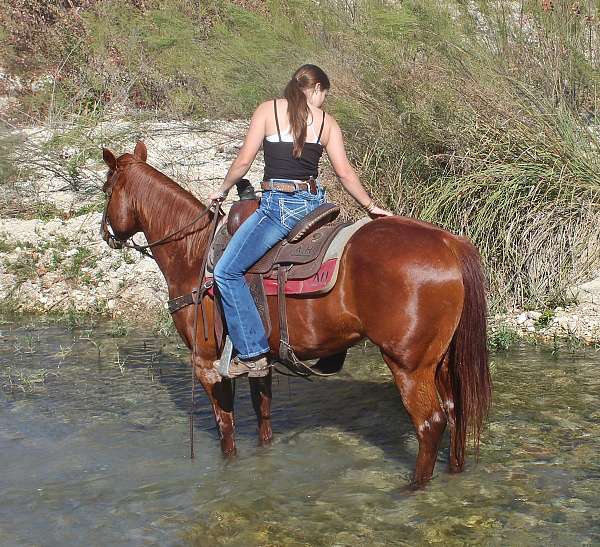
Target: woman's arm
[
  {"x": 247, "y": 153},
  {"x": 345, "y": 172}
]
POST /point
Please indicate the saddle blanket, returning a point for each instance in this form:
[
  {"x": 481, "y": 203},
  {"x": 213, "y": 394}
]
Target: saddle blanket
[{"x": 322, "y": 281}]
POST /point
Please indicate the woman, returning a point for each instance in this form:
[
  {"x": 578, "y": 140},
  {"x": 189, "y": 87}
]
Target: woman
[{"x": 293, "y": 132}]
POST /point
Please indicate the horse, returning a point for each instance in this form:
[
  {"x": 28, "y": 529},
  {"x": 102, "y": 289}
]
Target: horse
[{"x": 414, "y": 290}]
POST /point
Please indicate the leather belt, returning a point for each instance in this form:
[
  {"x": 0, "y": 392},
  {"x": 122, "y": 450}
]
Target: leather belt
[{"x": 290, "y": 186}]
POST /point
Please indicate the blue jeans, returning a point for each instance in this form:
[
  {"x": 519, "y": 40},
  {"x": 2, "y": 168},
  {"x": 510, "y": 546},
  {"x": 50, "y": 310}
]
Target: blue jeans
[{"x": 278, "y": 213}]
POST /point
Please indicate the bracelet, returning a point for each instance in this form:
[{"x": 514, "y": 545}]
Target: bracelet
[{"x": 369, "y": 206}]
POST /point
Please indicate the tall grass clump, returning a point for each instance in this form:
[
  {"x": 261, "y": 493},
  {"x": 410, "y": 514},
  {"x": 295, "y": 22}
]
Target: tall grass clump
[{"x": 475, "y": 117}]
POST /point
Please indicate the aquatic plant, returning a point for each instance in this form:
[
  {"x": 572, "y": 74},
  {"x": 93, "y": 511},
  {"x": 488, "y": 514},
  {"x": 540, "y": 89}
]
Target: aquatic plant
[
  {"x": 502, "y": 338},
  {"x": 15, "y": 379}
]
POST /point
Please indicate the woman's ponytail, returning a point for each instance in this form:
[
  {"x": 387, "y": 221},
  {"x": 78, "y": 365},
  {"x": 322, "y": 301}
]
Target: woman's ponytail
[
  {"x": 306, "y": 77},
  {"x": 297, "y": 113}
]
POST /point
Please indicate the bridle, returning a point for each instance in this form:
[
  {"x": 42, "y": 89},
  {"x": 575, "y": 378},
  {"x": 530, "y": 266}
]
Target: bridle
[{"x": 107, "y": 232}]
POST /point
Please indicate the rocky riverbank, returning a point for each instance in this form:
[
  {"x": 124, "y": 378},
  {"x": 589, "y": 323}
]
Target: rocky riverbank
[
  {"x": 61, "y": 263},
  {"x": 52, "y": 259}
]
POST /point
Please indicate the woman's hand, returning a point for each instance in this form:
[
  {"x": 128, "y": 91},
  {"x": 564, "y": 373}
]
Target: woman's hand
[
  {"x": 377, "y": 212},
  {"x": 219, "y": 195}
]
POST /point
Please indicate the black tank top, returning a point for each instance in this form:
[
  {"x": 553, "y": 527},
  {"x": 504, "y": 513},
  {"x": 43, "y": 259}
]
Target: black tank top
[{"x": 280, "y": 162}]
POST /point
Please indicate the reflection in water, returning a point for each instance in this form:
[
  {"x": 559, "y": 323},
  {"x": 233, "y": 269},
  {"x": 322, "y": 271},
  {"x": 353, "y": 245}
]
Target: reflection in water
[{"x": 99, "y": 451}]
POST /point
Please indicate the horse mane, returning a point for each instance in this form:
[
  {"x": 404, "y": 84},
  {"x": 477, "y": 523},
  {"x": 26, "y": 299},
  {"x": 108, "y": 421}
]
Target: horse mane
[{"x": 165, "y": 205}]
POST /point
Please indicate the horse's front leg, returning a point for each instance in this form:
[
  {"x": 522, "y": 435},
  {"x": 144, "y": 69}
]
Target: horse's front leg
[
  {"x": 260, "y": 390},
  {"x": 220, "y": 393}
]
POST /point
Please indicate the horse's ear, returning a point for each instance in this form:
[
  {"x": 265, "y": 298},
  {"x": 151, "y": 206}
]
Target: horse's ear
[
  {"x": 109, "y": 159},
  {"x": 140, "y": 151}
]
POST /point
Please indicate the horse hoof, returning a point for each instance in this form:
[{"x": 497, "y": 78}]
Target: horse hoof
[
  {"x": 228, "y": 450},
  {"x": 265, "y": 441}
]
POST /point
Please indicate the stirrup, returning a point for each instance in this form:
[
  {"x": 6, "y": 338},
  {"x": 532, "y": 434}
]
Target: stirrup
[
  {"x": 225, "y": 360},
  {"x": 233, "y": 368}
]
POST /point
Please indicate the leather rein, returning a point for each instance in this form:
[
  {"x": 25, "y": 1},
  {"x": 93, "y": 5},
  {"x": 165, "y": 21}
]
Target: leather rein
[{"x": 114, "y": 242}]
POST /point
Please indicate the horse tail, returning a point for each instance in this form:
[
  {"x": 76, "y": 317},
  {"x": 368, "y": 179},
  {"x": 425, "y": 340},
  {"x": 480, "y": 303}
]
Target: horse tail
[{"x": 468, "y": 353}]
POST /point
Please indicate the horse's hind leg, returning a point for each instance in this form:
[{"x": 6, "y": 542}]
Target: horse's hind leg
[
  {"x": 220, "y": 393},
  {"x": 419, "y": 395},
  {"x": 444, "y": 387},
  {"x": 260, "y": 390}
]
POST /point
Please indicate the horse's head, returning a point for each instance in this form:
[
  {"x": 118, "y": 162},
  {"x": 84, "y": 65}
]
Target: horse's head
[{"x": 119, "y": 213}]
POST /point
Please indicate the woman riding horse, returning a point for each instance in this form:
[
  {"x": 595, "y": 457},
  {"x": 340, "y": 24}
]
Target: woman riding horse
[
  {"x": 291, "y": 190},
  {"x": 416, "y": 291}
]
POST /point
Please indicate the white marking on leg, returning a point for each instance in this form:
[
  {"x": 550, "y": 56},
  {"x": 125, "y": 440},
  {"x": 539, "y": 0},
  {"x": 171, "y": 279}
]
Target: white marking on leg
[
  {"x": 438, "y": 417},
  {"x": 424, "y": 426}
]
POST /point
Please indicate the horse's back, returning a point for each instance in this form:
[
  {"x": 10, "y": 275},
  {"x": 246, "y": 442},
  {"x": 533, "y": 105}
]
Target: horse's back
[
  {"x": 402, "y": 244},
  {"x": 406, "y": 282}
]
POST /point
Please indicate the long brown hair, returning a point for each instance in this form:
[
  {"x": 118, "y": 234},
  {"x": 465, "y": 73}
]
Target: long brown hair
[{"x": 306, "y": 77}]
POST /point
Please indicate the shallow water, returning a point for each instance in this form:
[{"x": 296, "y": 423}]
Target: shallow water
[{"x": 97, "y": 454}]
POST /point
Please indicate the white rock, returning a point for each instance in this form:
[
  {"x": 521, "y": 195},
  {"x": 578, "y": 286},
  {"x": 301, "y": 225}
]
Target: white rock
[
  {"x": 522, "y": 318},
  {"x": 535, "y": 315},
  {"x": 42, "y": 82},
  {"x": 588, "y": 292}
]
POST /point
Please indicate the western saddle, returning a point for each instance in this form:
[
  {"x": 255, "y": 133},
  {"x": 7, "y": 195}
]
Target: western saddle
[{"x": 298, "y": 256}]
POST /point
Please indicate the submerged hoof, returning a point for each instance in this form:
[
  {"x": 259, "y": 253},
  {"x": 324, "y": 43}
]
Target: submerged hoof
[{"x": 228, "y": 449}]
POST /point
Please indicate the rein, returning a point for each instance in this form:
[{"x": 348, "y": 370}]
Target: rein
[{"x": 116, "y": 243}]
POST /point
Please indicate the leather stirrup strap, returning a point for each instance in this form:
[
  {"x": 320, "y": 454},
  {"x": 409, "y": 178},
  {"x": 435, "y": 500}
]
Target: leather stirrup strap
[
  {"x": 200, "y": 293},
  {"x": 287, "y": 357},
  {"x": 284, "y": 345}
]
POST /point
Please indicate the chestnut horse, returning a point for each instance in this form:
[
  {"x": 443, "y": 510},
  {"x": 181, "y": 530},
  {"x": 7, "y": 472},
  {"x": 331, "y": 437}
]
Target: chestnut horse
[{"x": 411, "y": 288}]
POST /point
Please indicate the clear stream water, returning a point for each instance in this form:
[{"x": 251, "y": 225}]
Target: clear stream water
[{"x": 97, "y": 454}]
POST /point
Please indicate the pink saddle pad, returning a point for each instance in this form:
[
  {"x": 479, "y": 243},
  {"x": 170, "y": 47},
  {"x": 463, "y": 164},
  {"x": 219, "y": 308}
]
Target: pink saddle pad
[{"x": 320, "y": 282}]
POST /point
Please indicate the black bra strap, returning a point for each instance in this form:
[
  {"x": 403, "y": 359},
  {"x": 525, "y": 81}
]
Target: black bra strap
[
  {"x": 322, "y": 125},
  {"x": 276, "y": 118}
]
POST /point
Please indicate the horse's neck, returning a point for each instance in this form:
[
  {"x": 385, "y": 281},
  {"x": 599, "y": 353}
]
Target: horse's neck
[{"x": 181, "y": 257}]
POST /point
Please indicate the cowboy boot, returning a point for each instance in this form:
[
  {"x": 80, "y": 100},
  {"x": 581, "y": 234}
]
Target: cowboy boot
[{"x": 255, "y": 368}]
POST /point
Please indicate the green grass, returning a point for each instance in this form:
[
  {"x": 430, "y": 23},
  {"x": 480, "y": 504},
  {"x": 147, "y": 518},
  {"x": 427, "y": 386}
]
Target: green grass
[
  {"x": 545, "y": 319},
  {"x": 8, "y": 148},
  {"x": 92, "y": 207},
  {"x": 119, "y": 328},
  {"x": 163, "y": 325},
  {"x": 7, "y": 246},
  {"x": 72, "y": 267},
  {"x": 22, "y": 267}
]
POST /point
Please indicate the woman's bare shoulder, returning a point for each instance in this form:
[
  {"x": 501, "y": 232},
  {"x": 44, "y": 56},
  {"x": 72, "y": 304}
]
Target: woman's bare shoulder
[{"x": 330, "y": 120}]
